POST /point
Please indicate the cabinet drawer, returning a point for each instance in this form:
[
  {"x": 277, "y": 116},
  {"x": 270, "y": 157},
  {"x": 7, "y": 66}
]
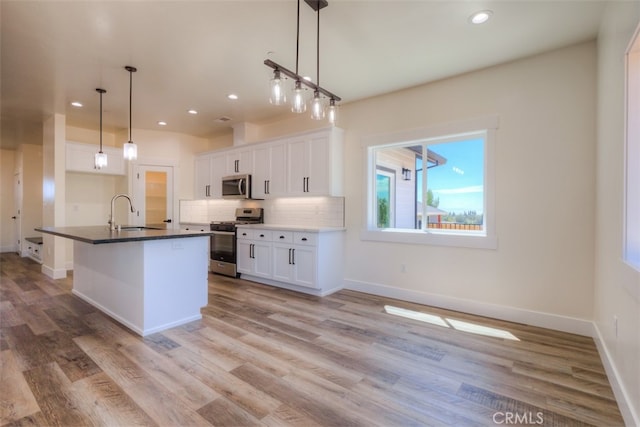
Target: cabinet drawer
[
  {"x": 264, "y": 235},
  {"x": 245, "y": 234},
  {"x": 283, "y": 236},
  {"x": 300, "y": 238}
]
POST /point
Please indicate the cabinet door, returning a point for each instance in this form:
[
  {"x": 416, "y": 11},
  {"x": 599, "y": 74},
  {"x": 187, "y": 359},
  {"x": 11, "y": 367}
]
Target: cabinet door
[
  {"x": 282, "y": 267},
  {"x": 297, "y": 160},
  {"x": 244, "y": 262},
  {"x": 218, "y": 170},
  {"x": 308, "y": 166},
  {"x": 262, "y": 259},
  {"x": 239, "y": 161},
  {"x": 305, "y": 266},
  {"x": 318, "y": 179},
  {"x": 261, "y": 172},
  {"x": 203, "y": 177},
  {"x": 278, "y": 163}
]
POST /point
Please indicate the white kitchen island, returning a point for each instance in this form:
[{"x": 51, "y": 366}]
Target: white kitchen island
[{"x": 149, "y": 280}]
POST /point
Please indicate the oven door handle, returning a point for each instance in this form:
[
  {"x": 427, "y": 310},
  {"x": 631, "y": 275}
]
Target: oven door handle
[{"x": 224, "y": 233}]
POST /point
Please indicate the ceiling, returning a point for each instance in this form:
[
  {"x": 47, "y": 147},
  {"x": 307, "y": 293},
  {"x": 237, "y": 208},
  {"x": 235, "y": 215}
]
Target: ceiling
[{"x": 192, "y": 54}]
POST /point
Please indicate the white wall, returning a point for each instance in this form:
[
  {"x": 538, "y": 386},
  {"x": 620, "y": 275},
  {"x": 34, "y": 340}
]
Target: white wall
[
  {"x": 617, "y": 286},
  {"x": 542, "y": 271}
]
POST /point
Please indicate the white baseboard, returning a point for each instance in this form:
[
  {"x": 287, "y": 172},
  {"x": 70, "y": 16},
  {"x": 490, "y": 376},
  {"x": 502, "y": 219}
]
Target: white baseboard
[
  {"x": 59, "y": 273},
  {"x": 8, "y": 248},
  {"x": 535, "y": 318},
  {"x": 630, "y": 414}
]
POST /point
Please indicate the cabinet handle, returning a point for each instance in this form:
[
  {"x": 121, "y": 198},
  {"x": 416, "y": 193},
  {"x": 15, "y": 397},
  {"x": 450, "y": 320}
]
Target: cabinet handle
[
  {"x": 268, "y": 186},
  {"x": 244, "y": 234},
  {"x": 251, "y": 251},
  {"x": 282, "y": 237},
  {"x": 237, "y": 165},
  {"x": 262, "y": 235},
  {"x": 289, "y": 255},
  {"x": 293, "y": 256},
  {"x": 304, "y": 239}
]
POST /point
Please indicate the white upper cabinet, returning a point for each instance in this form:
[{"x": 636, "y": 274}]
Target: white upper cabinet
[
  {"x": 269, "y": 170},
  {"x": 315, "y": 165},
  {"x": 240, "y": 161},
  {"x": 80, "y": 157},
  {"x": 309, "y": 164}
]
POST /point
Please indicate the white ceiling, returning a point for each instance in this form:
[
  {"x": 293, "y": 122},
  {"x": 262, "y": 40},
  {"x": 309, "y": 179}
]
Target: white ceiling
[{"x": 192, "y": 54}]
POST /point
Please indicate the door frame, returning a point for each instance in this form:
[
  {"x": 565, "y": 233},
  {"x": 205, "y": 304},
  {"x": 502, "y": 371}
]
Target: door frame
[{"x": 137, "y": 190}]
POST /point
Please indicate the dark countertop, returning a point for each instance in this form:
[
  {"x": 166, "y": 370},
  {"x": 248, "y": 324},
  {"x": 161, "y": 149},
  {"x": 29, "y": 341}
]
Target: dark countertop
[{"x": 101, "y": 234}]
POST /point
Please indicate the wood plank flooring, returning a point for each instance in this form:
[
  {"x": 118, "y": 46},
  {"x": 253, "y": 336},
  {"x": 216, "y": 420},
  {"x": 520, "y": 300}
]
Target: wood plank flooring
[{"x": 267, "y": 356}]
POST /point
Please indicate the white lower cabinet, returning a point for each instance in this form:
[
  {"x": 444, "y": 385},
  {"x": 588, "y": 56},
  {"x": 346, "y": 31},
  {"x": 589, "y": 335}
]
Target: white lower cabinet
[
  {"x": 306, "y": 261},
  {"x": 253, "y": 256}
]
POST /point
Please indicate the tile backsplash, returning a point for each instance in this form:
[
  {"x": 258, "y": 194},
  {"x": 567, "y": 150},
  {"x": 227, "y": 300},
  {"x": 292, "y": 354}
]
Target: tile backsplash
[{"x": 294, "y": 211}]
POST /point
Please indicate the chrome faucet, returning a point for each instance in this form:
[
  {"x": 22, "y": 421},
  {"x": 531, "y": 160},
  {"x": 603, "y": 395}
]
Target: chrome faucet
[{"x": 112, "y": 220}]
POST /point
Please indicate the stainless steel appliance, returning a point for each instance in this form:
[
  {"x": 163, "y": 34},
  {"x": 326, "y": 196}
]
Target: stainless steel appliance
[
  {"x": 236, "y": 187},
  {"x": 223, "y": 240}
]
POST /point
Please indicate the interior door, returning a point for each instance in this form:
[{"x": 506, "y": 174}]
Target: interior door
[
  {"x": 153, "y": 195},
  {"x": 17, "y": 222}
]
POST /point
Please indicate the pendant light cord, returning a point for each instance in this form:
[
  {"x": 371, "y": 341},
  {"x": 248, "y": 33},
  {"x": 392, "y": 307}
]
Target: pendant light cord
[
  {"x": 100, "y": 121},
  {"x": 318, "y": 49},
  {"x": 130, "y": 100},
  {"x": 298, "y": 37}
]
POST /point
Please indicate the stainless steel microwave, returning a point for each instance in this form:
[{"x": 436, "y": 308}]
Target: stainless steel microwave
[{"x": 236, "y": 187}]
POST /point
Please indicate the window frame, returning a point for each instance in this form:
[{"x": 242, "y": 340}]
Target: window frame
[
  {"x": 631, "y": 202},
  {"x": 391, "y": 174},
  {"x": 484, "y": 240}
]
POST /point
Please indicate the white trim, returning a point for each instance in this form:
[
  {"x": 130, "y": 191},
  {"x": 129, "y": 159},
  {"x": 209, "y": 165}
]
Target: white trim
[
  {"x": 9, "y": 248},
  {"x": 630, "y": 414},
  {"x": 488, "y": 238},
  {"x": 535, "y": 318},
  {"x": 59, "y": 273},
  {"x": 420, "y": 237}
]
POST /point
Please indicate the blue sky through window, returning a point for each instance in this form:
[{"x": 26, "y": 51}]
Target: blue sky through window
[{"x": 459, "y": 182}]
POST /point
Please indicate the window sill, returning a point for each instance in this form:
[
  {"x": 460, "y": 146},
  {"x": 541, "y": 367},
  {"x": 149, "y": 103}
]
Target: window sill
[{"x": 419, "y": 237}]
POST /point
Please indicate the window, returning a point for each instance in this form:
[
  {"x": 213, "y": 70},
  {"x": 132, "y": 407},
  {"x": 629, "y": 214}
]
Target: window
[
  {"x": 443, "y": 193},
  {"x": 385, "y": 197},
  {"x": 632, "y": 158}
]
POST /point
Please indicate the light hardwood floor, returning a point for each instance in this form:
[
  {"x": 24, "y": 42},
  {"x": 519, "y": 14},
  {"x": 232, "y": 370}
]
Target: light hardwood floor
[{"x": 267, "y": 356}]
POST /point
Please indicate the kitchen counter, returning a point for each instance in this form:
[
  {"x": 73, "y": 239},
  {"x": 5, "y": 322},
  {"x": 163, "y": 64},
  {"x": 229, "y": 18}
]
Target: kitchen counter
[
  {"x": 301, "y": 228},
  {"x": 102, "y": 234},
  {"x": 149, "y": 280}
]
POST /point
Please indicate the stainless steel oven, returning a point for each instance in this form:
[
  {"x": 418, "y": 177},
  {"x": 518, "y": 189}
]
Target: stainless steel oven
[{"x": 223, "y": 240}]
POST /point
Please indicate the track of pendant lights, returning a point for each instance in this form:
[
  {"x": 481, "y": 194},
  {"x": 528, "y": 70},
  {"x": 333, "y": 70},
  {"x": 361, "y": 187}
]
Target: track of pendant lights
[{"x": 276, "y": 83}]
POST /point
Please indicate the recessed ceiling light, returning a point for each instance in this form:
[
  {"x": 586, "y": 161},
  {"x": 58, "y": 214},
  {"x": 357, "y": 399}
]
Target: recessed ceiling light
[
  {"x": 480, "y": 17},
  {"x": 76, "y": 104},
  {"x": 232, "y": 96},
  {"x": 162, "y": 123},
  {"x": 192, "y": 111}
]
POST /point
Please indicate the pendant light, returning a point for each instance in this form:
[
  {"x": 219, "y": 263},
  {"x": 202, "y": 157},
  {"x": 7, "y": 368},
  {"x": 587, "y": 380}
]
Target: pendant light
[
  {"x": 100, "y": 157},
  {"x": 317, "y": 109},
  {"x": 332, "y": 111},
  {"x": 130, "y": 148},
  {"x": 298, "y": 101},
  {"x": 276, "y": 84}
]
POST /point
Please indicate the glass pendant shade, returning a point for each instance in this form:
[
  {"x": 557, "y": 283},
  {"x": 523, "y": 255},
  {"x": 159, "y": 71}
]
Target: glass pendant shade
[
  {"x": 130, "y": 151},
  {"x": 298, "y": 104},
  {"x": 277, "y": 90},
  {"x": 100, "y": 160},
  {"x": 332, "y": 111},
  {"x": 317, "y": 109}
]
